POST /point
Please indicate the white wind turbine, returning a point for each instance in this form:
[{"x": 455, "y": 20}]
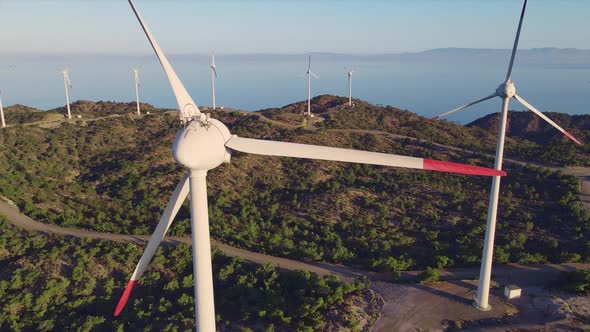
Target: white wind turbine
[
  {"x": 205, "y": 143},
  {"x": 2, "y": 111},
  {"x": 309, "y": 74},
  {"x": 1, "y": 106},
  {"x": 349, "y": 74},
  {"x": 67, "y": 83},
  {"x": 505, "y": 91},
  {"x": 213, "y": 77},
  {"x": 136, "y": 77}
]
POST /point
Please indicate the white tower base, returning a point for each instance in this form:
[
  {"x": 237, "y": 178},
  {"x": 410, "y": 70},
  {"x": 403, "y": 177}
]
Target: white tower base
[{"x": 204, "y": 301}]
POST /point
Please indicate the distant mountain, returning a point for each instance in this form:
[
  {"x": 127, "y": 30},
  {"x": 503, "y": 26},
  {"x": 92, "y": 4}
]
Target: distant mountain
[{"x": 536, "y": 56}]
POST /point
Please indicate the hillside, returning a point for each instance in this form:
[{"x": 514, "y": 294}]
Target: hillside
[
  {"x": 535, "y": 139},
  {"x": 116, "y": 175}
]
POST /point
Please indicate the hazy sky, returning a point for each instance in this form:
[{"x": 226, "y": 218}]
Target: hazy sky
[{"x": 285, "y": 26}]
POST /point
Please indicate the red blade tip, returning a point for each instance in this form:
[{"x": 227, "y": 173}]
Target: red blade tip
[
  {"x": 445, "y": 166},
  {"x": 436, "y": 117},
  {"x": 125, "y": 296},
  {"x": 570, "y": 136}
]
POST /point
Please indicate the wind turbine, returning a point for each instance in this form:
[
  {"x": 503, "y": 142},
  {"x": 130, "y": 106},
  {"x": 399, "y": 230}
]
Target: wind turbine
[
  {"x": 136, "y": 77},
  {"x": 205, "y": 143},
  {"x": 505, "y": 91},
  {"x": 11, "y": 67},
  {"x": 67, "y": 83},
  {"x": 213, "y": 77},
  {"x": 309, "y": 74},
  {"x": 349, "y": 74},
  {"x": 2, "y": 111}
]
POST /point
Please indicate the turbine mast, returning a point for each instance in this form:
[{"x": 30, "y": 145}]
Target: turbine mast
[
  {"x": 350, "y": 90},
  {"x": 309, "y": 87},
  {"x": 201, "y": 246},
  {"x": 485, "y": 272},
  {"x": 213, "y": 76},
  {"x": 136, "y": 76},
  {"x": 309, "y": 74},
  {"x": 349, "y": 74},
  {"x": 2, "y": 111},
  {"x": 66, "y": 84}
]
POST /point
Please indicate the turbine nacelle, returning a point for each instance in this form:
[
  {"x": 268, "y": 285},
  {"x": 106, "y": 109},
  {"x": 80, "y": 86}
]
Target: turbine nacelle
[
  {"x": 201, "y": 145},
  {"x": 506, "y": 90}
]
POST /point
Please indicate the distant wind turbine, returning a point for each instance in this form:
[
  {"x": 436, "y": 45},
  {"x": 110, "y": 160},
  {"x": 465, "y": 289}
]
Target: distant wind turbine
[
  {"x": 309, "y": 74},
  {"x": 349, "y": 74},
  {"x": 67, "y": 83},
  {"x": 505, "y": 91},
  {"x": 136, "y": 77},
  {"x": 2, "y": 111},
  {"x": 11, "y": 67},
  {"x": 213, "y": 77},
  {"x": 204, "y": 143}
]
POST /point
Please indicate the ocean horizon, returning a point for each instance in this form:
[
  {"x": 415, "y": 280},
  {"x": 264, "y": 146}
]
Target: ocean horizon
[{"x": 427, "y": 83}]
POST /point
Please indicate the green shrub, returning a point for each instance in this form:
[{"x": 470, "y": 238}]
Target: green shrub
[{"x": 429, "y": 275}]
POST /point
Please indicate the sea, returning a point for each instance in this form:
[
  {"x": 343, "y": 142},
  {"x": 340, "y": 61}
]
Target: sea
[{"x": 427, "y": 84}]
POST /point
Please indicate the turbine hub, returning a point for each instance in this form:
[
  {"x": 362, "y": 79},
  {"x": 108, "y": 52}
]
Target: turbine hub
[
  {"x": 506, "y": 90},
  {"x": 201, "y": 145}
]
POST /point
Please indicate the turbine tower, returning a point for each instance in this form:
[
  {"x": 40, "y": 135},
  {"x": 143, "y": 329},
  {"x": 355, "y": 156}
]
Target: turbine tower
[
  {"x": 2, "y": 111},
  {"x": 136, "y": 77},
  {"x": 205, "y": 143},
  {"x": 505, "y": 91},
  {"x": 309, "y": 74},
  {"x": 349, "y": 74},
  {"x": 213, "y": 77},
  {"x": 11, "y": 67},
  {"x": 67, "y": 83}
]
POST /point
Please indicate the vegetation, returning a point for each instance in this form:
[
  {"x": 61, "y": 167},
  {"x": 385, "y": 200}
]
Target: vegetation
[
  {"x": 116, "y": 176},
  {"x": 429, "y": 275},
  {"x": 23, "y": 114},
  {"x": 55, "y": 284},
  {"x": 577, "y": 281}
]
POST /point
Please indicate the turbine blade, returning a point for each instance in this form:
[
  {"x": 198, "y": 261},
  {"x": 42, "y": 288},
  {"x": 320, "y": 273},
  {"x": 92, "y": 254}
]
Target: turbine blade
[
  {"x": 309, "y": 64},
  {"x": 294, "y": 150},
  {"x": 314, "y": 75},
  {"x": 544, "y": 117},
  {"x": 187, "y": 107},
  {"x": 515, "y": 47},
  {"x": 178, "y": 197},
  {"x": 465, "y": 106},
  {"x": 214, "y": 71}
]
